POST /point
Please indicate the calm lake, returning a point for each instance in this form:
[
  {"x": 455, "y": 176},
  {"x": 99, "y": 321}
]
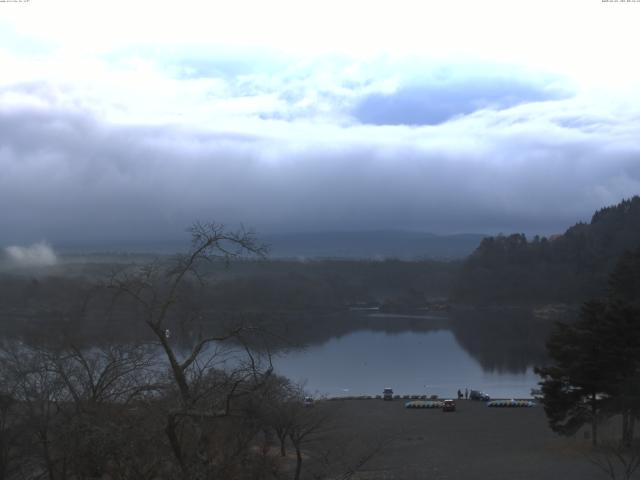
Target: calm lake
[
  {"x": 492, "y": 353},
  {"x": 360, "y": 353}
]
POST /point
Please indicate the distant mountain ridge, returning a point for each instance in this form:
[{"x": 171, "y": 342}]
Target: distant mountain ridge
[
  {"x": 399, "y": 244},
  {"x": 353, "y": 245},
  {"x": 564, "y": 268}
]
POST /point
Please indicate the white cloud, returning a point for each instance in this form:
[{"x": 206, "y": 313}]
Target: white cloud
[
  {"x": 537, "y": 167},
  {"x": 247, "y": 111},
  {"x": 594, "y": 42}
]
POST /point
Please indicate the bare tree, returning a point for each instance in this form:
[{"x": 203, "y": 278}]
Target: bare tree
[
  {"x": 166, "y": 409},
  {"x": 321, "y": 446},
  {"x": 205, "y": 393},
  {"x": 11, "y": 431},
  {"x": 72, "y": 406},
  {"x": 279, "y": 409},
  {"x": 155, "y": 288},
  {"x": 305, "y": 426},
  {"x": 40, "y": 394},
  {"x": 115, "y": 374}
]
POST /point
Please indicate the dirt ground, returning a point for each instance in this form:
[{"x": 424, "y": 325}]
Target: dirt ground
[{"x": 475, "y": 442}]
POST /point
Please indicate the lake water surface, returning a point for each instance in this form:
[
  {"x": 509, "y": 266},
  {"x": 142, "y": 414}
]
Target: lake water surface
[
  {"x": 496, "y": 360},
  {"x": 363, "y": 363}
]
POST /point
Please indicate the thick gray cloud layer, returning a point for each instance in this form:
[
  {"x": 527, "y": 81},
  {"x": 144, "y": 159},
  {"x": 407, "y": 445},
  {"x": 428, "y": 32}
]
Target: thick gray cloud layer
[
  {"x": 72, "y": 179},
  {"x": 343, "y": 117}
]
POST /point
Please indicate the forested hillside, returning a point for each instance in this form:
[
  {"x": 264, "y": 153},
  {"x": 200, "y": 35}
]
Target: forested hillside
[{"x": 564, "y": 268}]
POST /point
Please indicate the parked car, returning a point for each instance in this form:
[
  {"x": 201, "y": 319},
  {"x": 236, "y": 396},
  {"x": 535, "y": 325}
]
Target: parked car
[
  {"x": 449, "y": 406},
  {"x": 477, "y": 395},
  {"x": 387, "y": 394},
  {"x": 308, "y": 402}
]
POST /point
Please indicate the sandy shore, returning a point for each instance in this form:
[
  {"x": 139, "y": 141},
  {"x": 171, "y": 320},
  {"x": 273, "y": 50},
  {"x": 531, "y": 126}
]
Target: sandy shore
[{"x": 475, "y": 442}]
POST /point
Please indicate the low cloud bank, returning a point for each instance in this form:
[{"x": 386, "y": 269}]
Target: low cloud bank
[
  {"x": 82, "y": 180},
  {"x": 36, "y": 255}
]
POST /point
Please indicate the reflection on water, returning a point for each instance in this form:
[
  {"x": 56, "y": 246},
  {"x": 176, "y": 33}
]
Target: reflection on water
[
  {"x": 364, "y": 362},
  {"x": 493, "y": 350},
  {"x": 349, "y": 353},
  {"x": 502, "y": 340}
]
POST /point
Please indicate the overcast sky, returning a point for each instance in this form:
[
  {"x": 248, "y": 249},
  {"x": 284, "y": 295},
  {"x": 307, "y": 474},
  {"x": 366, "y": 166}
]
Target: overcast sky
[{"x": 123, "y": 122}]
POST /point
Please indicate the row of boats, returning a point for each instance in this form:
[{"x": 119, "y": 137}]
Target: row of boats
[{"x": 506, "y": 403}]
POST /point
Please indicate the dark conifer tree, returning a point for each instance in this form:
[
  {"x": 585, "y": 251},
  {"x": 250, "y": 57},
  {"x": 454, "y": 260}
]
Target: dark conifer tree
[
  {"x": 574, "y": 386},
  {"x": 596, "y": 360}
]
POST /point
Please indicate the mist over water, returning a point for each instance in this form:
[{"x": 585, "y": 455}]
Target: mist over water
[{"x": 37, "y": 255}]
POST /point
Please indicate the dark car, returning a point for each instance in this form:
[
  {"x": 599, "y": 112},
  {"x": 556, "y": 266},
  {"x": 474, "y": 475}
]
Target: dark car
[
  {"x": 449, "y": 406},
  {"x": 387, "y": 394},
  {"x": 478, "y": 395}
]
